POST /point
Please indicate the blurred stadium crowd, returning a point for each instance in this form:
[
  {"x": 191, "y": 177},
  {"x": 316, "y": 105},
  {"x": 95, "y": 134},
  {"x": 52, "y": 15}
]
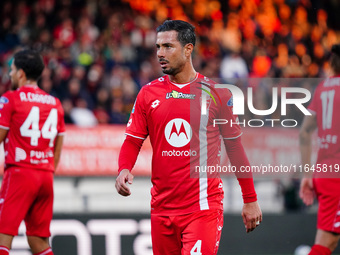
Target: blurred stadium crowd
[{"x": 99, "y": 53}]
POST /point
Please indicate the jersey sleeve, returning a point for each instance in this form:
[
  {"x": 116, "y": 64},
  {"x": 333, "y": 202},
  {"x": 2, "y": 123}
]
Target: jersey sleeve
[
  {"x": 61, "y": 121},
  {"x": 6, "y": 110},
  {"x": 232, "y": 129},
  {"x": 137, "y": 125},
  {"x": 313, "y": 106}
]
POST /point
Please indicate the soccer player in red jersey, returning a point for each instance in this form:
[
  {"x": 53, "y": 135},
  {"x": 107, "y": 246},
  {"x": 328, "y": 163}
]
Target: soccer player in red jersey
[
  {"x": 187, "y": 200},
  {"x": 325, "y": 184},
  {"x": 31, "y": 127}
]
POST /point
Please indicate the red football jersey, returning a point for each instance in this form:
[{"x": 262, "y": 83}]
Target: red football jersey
[
  {"x": 184, "y": 142},
  {"x": 33, "y": 119},
  {"x": 325, "y": 103}
]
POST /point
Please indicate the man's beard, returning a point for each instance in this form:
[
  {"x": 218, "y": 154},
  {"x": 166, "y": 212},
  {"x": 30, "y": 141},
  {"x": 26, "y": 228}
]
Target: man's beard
[{"x": 171, "y": 71}]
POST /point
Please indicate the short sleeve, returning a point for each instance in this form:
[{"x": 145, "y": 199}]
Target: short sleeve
[
  {"x": 137, "y": 124},
  {"x": 313, "y": 106},
  {"x": 231, "y": 129},
  {"x": 6, "y": 110},
  {"x": 61, "y": 121}
]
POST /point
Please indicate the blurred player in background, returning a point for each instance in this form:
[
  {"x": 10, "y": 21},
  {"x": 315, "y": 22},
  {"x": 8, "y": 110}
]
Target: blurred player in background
[
  {"x": 326, "y": 186},
  {"x": 32, "y": 127},
  {"x": 186, "y": 211}
]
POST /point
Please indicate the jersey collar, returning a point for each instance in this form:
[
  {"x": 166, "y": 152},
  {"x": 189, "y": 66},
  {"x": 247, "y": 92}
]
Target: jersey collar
[
  {"x": 182, "y": 85},
  {"x": 33, "y": 86}
]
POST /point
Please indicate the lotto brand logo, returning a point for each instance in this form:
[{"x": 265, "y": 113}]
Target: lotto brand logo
[
  {"x": 155, "y": 103},
  {"x": 178, "y": 132}
]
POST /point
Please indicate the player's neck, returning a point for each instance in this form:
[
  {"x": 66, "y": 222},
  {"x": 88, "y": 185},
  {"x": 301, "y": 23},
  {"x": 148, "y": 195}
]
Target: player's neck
[
  {"x": 25, "y": 82},
  {"x": 185, "y": 76}
]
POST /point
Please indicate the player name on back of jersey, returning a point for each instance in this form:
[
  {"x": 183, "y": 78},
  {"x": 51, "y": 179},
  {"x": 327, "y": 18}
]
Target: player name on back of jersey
[
  {"x": 37, "y": 98},
  {"x": 331, "y": 82}
]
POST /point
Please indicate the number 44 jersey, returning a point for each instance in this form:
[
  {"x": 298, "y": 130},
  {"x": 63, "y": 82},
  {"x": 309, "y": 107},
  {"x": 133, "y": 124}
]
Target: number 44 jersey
[{"x": 33, "y": 120}]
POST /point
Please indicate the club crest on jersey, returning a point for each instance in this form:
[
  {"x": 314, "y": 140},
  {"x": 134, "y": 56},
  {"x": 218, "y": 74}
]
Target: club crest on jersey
[
  {"x": 208, "y": 102},
  {"x": 179, "y": 95},
  {"x": 178, "y": 132}
]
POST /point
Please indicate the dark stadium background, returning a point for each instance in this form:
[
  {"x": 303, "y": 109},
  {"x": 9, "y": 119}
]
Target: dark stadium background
[{"x": 99, "y": 53}]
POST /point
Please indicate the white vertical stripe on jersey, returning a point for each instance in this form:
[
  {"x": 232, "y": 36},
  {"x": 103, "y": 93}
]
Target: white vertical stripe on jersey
[{"x": 203, "y": 159}]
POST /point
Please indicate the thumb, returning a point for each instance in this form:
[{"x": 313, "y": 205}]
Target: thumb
[{"x": 130, "y": 178}]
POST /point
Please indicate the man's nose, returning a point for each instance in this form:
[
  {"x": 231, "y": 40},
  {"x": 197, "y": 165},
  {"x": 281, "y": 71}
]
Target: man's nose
[{"x": 160, "y": 53}]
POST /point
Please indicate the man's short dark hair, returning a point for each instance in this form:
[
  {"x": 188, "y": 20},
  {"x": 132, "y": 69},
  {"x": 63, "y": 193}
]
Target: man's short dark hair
[
  {"x": 185, "y": 31},
  {"x": 30, "y": 62},
  {"x": 335, "y": 58}
]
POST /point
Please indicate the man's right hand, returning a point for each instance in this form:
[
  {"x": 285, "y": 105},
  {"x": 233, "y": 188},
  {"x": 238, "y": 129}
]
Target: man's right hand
[{"x": 124, "y": 177}]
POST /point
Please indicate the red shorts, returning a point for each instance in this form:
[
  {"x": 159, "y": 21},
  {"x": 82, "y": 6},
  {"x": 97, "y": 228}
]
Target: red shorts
[
  {"x": 26, "y": 195},
  {"x": 328, "y": 194},
  {"x": 194, "y": 233}
]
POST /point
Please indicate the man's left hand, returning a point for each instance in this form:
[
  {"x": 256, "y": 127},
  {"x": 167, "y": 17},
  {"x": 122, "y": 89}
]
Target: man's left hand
[{"x": 252, "y": 216}]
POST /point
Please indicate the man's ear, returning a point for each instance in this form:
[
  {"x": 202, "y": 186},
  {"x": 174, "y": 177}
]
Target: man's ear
[
  {"x": 188, "y": 48},
  {"x": 21, "y": 74}
]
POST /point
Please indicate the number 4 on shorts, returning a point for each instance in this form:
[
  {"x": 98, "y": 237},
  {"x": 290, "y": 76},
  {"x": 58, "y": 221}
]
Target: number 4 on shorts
[{"x": 196, "y": 250}]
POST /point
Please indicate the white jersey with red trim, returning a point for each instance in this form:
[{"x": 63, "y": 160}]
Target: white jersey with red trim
[{"x": 184, "y": 140}]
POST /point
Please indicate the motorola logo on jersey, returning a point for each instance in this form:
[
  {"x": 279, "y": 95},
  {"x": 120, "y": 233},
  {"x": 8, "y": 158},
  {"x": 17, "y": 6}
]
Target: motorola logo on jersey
[{"x": 178, "y": 132}]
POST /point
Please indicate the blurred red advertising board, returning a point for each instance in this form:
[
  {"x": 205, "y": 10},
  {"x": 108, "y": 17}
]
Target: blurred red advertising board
[{"x": 94, "y": 152}]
